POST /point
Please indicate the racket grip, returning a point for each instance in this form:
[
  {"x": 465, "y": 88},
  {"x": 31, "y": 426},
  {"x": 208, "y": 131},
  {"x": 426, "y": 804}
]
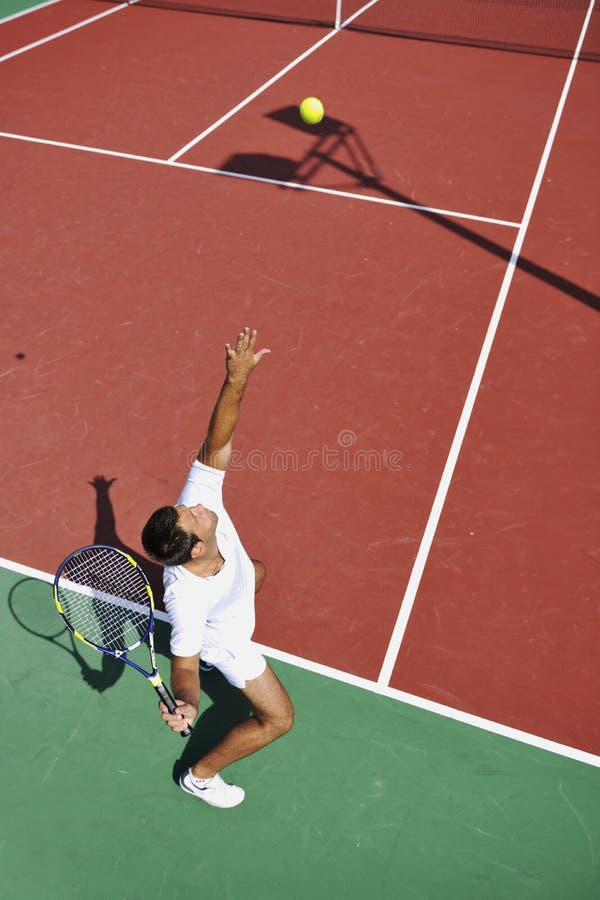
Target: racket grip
[{"x": 165, "y": 695}]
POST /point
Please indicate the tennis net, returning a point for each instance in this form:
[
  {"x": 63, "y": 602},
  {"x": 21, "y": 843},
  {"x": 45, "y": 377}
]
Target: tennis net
[{"x": 530, "y": 26}]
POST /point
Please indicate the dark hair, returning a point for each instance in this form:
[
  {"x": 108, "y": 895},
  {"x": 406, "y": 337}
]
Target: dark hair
[{"x": 165, "y": 541}]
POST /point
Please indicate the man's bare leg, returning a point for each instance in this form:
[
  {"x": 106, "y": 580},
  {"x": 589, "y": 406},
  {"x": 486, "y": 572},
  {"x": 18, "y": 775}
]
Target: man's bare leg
[{"x": 272, "y": 716}]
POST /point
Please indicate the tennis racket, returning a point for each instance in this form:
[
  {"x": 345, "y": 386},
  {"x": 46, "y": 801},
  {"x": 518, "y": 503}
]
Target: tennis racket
[
  {"x": 105, "y": 600},
  {"x": 28, "y": 603}
]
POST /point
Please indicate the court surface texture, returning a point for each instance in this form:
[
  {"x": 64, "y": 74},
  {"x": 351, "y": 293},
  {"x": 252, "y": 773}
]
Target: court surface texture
[{"x": 416, "y": 459}]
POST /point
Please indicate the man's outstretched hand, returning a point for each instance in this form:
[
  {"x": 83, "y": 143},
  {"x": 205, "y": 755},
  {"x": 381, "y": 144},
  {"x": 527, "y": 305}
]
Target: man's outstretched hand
[{"x": 241, "y": 358}]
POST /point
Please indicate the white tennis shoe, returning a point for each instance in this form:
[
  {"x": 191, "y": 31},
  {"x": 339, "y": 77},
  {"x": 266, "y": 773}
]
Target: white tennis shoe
[{"x": 213, "y": 791}]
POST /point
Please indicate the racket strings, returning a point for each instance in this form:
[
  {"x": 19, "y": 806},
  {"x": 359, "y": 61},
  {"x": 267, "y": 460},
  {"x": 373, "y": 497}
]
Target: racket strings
[{"x": 104, "y": 597}]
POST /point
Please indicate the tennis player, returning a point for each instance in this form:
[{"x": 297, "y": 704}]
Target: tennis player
[{"x": 210, "y": 584}]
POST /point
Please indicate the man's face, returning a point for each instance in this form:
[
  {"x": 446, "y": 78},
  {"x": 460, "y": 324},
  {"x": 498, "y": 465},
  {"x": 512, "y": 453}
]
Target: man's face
[{"x": 197, "y": 520}]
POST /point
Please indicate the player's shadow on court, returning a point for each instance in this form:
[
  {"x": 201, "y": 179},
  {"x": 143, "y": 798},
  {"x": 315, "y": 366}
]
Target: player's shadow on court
[
  {"x": 32, "y": 606},
  {"x": 105, "y": 532},
  {"x": 337, "y": 145}
]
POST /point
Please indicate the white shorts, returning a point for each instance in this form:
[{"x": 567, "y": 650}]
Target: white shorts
[{"x": 239, "y": 661}]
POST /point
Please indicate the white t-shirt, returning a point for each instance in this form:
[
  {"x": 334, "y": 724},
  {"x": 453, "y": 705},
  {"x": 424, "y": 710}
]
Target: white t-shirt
[{"x": 209, "y": 615}]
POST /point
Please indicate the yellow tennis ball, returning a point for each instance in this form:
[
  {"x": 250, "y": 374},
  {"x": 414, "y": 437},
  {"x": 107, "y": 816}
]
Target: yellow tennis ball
[{"x": 311, "y": 110}]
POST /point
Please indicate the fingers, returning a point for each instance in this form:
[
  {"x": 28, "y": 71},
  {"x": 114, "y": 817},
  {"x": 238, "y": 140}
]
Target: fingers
[
  {"x": 245, "y": 344},
  {"x": 243, "y": 339},
  {"x": 177, "y": 721},
  {"x": 179, "y": 724}
]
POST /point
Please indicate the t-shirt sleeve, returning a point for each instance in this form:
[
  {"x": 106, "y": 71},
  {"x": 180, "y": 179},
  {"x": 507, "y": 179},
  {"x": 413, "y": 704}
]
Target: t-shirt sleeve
[
  {"x": 203, "y": 485},
  {"x": 185, "y": 641},
  {"x": 187, "y": 615}
]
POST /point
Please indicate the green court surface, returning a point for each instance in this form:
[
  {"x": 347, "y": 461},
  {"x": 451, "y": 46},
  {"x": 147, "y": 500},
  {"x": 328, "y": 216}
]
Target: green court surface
[
  {"x": 10, "y": 7},
  {"x": 366, "y": 797}
]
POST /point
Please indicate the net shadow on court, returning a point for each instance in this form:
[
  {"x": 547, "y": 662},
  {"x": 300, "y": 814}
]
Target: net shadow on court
[{"x": 333, "y": 136}]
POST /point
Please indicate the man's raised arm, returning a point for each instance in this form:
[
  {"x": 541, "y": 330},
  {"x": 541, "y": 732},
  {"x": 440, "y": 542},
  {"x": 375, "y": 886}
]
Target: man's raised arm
[{"x": 240, "y": 360}]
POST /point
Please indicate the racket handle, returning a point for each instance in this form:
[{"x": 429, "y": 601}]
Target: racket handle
[{"x": 167, "y": 698}]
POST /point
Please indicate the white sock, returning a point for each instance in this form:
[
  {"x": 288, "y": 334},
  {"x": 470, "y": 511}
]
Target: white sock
[{"x": 201, "y": 782}]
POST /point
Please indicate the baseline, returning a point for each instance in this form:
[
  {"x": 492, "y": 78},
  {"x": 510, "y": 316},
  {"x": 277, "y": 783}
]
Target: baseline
[
  {"x": 25, "y": 12},
  {"x": 374, "y": 687}
]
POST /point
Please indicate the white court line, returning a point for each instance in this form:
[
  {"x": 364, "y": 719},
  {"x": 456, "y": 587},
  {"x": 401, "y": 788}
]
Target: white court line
[
  {"x": 454, "y": 214},
  {"x": 444, "y": 485},
  {"x": 338, "y": 13},
  {"x": 57, "y": 34},
  {"x": 373, "y": 687},
  {"x": 266, "y": 85},
  {"x": 25, "y": 12}
]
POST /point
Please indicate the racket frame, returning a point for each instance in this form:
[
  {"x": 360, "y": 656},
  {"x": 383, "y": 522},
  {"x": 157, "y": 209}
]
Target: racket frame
[{"x": 152, "y": 676}]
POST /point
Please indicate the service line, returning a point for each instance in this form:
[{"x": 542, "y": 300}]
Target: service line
[
  {"x": 293, "y": 185},
  {"x": 25, "y": 12}
]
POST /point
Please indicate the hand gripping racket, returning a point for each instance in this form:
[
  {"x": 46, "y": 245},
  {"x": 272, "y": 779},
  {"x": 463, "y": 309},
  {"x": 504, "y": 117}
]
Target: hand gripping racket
[{"x": 105, "y": 600}]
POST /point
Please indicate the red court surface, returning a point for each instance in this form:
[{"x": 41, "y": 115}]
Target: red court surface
[
  {"x": 513, "y": 578},
  {"x": 332, "y": 369},
  {"x": 106, "y": 86},
  {"x": 38, "y": 24},
  {"x": 401, "y": 131},
  {"x": 124, "y": 278},
  {"x": 456, "y": 149}
]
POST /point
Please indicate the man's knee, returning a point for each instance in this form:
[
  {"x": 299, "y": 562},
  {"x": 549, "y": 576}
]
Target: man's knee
[
  {"x": 270, "y": 704},
  {"x": 281, "y": 722},
  {"x": 279, "y": 719},
  {"x": 287, "y": 719}
]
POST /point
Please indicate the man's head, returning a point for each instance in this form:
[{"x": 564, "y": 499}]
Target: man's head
[{"x": 173, "y": 535}]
